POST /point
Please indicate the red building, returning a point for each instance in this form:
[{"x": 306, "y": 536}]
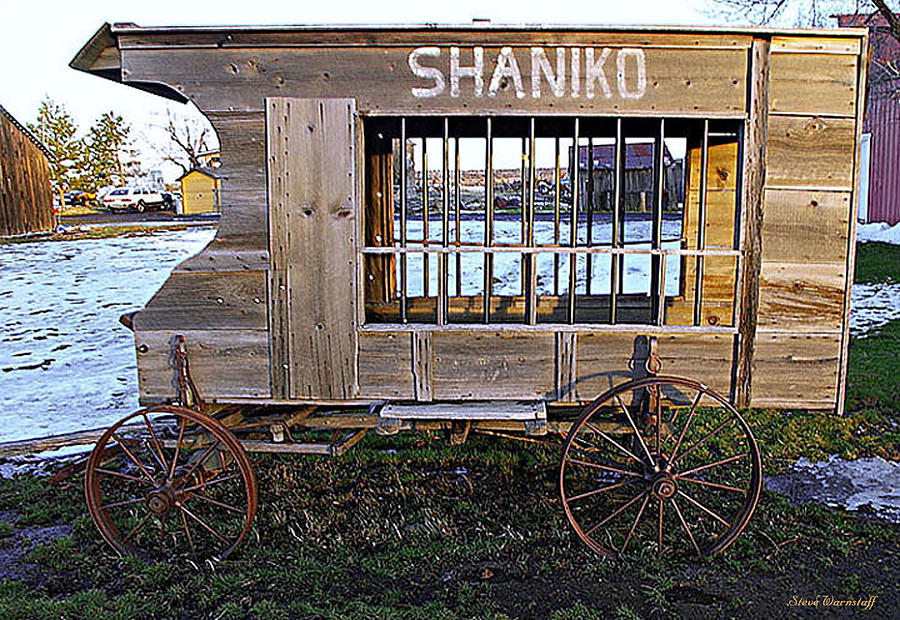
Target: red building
[{"x": 882, "y": 118}]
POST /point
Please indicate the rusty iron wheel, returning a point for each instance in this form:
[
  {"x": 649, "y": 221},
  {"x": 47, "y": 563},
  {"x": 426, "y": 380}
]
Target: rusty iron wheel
[
  {"x": 690, "y": 482},
  {"x": 166, "y": 480}
]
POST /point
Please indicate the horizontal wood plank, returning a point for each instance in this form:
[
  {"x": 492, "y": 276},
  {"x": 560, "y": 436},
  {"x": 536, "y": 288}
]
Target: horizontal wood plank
[
  {"x": 813, "y": 84},
  {"x": 810, "y": 152},
  {"x": 801, "y": 297},
  {"x": 795, "y": 370},
  {"x": 385, "y": 365},
  {"x": 824, "y": 45},
  {"x": 805, "y": 226},
  {"x": 223, "y": 300},
  {"x": 493, "y": 365},
  {"x": 224, "y": 363}
]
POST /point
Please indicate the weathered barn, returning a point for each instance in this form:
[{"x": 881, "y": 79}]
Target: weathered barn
[
  {"x": 307, "y": 292},
  {"x": 881, "y": 123},
  {"x": 26, "y": 197}
]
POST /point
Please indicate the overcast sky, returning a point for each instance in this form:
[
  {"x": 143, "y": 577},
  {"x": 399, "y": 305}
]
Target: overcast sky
[{"x": 39, "y": 38}]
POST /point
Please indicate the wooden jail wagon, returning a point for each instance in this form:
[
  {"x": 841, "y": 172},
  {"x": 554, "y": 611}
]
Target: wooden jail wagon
[{"x": 429, "y": 227}]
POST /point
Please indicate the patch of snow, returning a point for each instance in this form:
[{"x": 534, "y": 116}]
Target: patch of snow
[
  {"x": 878, "y": 231},
  {"x": 873, "y": 306},
  {"x": 872, "y": 484}
]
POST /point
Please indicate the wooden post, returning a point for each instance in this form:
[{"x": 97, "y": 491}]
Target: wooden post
[
  {"x": 754, "y": 177},
  {"x": 380, "y": 278}
]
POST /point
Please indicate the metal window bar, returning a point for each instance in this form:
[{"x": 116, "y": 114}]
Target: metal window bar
[
  {"x": 456, "y": 210},
  {"x": 403, "y": 311},
  {"x": 530, "y": 275},
  {"x": 614, "y": 259},
  {"x": 658, "y": 294},
  {"x": 556, "y": 204},
  {"x": 590, "y": 213},
  {"x": 701, "y": 226},
  {"x": 488, "y": 219},
  {"x": 445, "y": 223},
  {"x": 426, "y": 276},
  {"x": 573, "y": 225}
]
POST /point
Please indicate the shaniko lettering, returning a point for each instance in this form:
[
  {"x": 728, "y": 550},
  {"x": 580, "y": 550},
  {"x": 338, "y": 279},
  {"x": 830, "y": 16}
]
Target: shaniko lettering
[{"x": 560, "y": 72}]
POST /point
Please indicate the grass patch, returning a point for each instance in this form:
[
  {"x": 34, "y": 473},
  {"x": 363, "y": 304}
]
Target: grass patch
[{"x": 877, "y": 262}]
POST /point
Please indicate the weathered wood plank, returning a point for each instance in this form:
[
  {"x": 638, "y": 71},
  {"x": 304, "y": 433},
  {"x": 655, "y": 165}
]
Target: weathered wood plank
[
  {"x": 422, "y": 366},
  {"x": 823, "y": 84},
  {"x": 606, "y": 360},
  {"x": 470, "y": 410},
  {"x": 224, "y": 300},
  {"x": 754, "y": 178},
  {"x": 385, "y": 365},
  {"x": 805, "y": 227},
  {"x": 493, "y": 365},
  {"x": 313, "y": 190},
  {"x": 822, "y": 45},
  {"x": 795, "y": 370},
  {"x": 801, "y": 297},
  {"x": 810, "y": 152},
  {"x": 687, "y": 82},
  {"x": 224, "y": 363},
  {"x": 566, "y": 347}
]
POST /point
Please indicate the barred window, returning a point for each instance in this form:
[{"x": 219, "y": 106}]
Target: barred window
[{"x": 560, "y": 220}]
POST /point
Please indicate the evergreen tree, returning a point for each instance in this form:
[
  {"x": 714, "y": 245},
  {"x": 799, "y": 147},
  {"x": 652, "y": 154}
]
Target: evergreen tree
[
  {"x": 57, "y": 130},
  {"x": 109, "y": 151}
]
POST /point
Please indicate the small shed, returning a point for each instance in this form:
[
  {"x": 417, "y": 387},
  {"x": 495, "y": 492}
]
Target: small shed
[
  {"x": 200, "y": 190},
  {"x": 26, "y": 198}
]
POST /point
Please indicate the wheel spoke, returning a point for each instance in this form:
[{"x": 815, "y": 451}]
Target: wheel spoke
[
  {"x": 603, "y": 467},
  {"x": 177, "y": 450},
  {"x": 659, "y": 529},
  {"x": 109, "y": 472},
  {"x": 210, "y": 482},
  {"x": 619, "y": 511},
  {"x": 187, "y": 531},
  {"x": 162, "y": 466},
  {"x": 136, "y": 528},
  {"x": 715, "y": 485},
  {"x": 636, "y": 432},
  {"x": 704, "y": 508},
  {"x": 634, "y": 524},
  {"x": 686, "y": 424},
  {"x": 716, "y": 464},
  {"x": 707, "y": 437},
  {"x": 218, "y": 503},
  {"x": 617, "y": 485},
  {"x": 202, "y": 458},
  {"x": 127, "y": 502},
  {"x": 658, "y": 416},
  {"x": 613, "y": 442},
  {"x": 202, "y": 523},
  {"x": 686, "y": 528},
  {"x": 162, "y": 457},
  {"x": 134, "y": 459}
]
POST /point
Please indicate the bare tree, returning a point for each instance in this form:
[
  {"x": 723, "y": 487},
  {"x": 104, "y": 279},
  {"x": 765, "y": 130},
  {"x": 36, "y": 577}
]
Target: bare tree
[{"x": 180, "y": 139}]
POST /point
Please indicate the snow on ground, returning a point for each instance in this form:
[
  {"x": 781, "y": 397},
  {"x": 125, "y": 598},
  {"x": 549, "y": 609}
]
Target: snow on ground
[
  {"x": 66, "y": 363},
  {"x": 868, "y": 484},
  {"x": 872, "y": 306},
  {"x": 878, "y": 231}
]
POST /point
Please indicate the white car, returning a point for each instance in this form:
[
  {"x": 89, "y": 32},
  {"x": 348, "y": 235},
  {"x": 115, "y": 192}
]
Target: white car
[{"x": 136, "y": 199}]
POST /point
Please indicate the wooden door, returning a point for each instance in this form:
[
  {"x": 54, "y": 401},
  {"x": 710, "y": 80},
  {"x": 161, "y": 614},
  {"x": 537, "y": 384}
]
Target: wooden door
[{"x": 313, "y": 207}]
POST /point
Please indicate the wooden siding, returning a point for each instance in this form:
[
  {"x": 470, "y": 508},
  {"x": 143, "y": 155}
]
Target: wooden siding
[
  {"x": 313, "y": 197},
  {"x": 26, "y": 198}
]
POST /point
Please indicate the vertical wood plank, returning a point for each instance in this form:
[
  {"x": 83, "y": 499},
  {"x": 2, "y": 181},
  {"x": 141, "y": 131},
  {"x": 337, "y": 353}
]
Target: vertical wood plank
[
  {"x": 423, "y": 376},
  {"x": 754, "y": 176},
  {"x": 313, "y": 196},
  {"x": 565, "y": 366}
]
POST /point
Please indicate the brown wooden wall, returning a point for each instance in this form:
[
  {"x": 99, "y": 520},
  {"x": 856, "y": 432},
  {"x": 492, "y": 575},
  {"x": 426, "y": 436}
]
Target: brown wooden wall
[
  {"x": 26, "y": 198},
  {"x": 235, "y": 300}
]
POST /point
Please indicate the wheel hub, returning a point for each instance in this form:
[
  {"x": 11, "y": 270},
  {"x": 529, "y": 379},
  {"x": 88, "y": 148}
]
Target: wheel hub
[
  {"x": 161, "y": 501},
  {"x": 663, "y": 486}
]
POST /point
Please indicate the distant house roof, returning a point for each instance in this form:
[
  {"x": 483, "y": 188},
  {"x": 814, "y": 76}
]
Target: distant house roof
[
  {"x": 5, "y": 113},
  {"x": 637, "y": 156},
  {"x": 884, "y": 67},
  {"x": 207, "y": 171}
]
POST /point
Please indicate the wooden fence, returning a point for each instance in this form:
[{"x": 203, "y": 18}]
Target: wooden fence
[{"x": 26, "y": 198}]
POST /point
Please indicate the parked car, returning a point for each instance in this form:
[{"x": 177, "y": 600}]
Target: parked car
[
  {"x": 136, "y": 199},
  {"x": 79, "y": 198}
]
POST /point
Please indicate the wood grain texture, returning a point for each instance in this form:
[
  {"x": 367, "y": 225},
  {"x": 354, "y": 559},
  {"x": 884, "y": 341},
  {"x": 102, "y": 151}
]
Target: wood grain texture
[
  {"x": 795, "y": 370},
  {"x": 26, "y": 198},
  {"x": 385, "y": 365},
  {"x": 493, "y": 365},
  {"x": 822, "y": 84},
  {"x": 606, "y": 360},
  {"x": 823, "y": 45},
  {"x": 313, "y": 193},
  {"x": 754, "y": 178},
  {"x": 224, "y": 300},
  {"x": 422, "y": 366},
  {"x": 801, "y": 297},
  {"x": 224, "y": 363},
  {"x": 810, "y": 152},
  {"x": 679, "y": 81},
  {"x": 566, "y": 347},
  {"x": 805, "y": 226}
]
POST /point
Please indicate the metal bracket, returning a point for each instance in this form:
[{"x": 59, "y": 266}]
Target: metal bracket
[{"x": 187, "y": 393}]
